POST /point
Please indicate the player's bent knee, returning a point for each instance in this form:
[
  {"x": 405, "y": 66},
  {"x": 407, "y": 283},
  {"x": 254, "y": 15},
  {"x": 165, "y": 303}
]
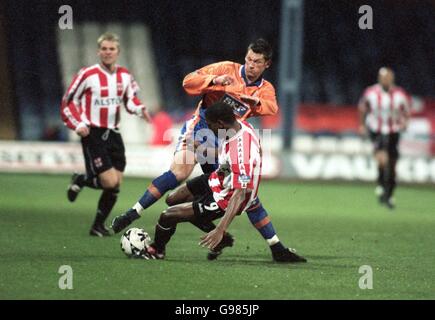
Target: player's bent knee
[
  {"x": 110, "y": 184},
  {"x": 173, "y": 198},
  {"x": 181, "y": 171},
  {"x": 168, "y": 217},
  {"x": 181, "y": 174},
  {"x": 383, "y": 162},
  {"x": 170, "y": 199},
  {"x": 382, "y": 159},
  {"x": 164, "y": 219}
]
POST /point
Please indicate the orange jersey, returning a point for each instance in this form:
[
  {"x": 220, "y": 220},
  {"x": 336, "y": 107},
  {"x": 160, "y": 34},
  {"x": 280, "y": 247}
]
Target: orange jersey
[{"x": 199, "y": 82}]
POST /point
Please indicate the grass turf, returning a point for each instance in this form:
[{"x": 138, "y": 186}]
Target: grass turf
[{"x": 337, "y": 227}]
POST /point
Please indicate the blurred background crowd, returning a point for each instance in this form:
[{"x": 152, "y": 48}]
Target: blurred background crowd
[{"x": 339, "y": 59}]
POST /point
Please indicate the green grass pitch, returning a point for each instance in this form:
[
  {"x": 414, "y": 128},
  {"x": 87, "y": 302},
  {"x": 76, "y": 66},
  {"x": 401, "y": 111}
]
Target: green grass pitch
[{"x": 337, "y": 227}]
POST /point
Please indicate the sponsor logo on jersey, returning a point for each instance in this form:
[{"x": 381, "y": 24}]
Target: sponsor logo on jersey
[
  {"x": 238, "y": 106},
  {"x": 108, "y": 101}
]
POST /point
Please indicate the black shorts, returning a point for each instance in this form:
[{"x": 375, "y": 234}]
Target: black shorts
[
  {"x": 205, "y": 207},
  {"x": 386, "y": 142},
  {"x": 103, "y": 149}
]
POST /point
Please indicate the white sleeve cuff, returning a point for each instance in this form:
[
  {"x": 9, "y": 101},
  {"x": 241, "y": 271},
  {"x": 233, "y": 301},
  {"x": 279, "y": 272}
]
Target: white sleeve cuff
[
  {"x": 140, "y": 110},
  {"x": 80, "y": 125}
]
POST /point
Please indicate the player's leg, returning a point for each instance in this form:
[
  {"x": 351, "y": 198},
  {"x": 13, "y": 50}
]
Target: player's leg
[
  {"x": 90, "y": 178},
  {"x": 171, "y": 217},
  {"x": 169, "y": 180},
  {"x": 177, "y": 173},
  {"x": 167, "y": 225},
  {"x": 110, "y": 177},
  {"x": 111, "y": 182},
  {"x": 206, "y": 210},
  {"x": 78, "y": 182},
  {"x": 181, "y": 195},
  {"x": 390, "y": 171},
  {"x": 181, "y": 167},
  {"x": 261, "y": 221},
  {"x": 390, "y": 182},
  {"x": 381, "y": 157},
  {"x": 378, "y": 152},
  {"x": 379, "y": 190}
]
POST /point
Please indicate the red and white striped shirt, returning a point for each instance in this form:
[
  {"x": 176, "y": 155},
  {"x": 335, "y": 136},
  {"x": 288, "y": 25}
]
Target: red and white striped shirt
[
  {"x": 95, "y": 96},
  {"x": 386, "y": 109},
  {"x": 239, "y": 167}
]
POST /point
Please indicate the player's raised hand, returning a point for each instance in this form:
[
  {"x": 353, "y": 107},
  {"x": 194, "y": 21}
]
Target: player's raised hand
[
  {"x": 212, "y": 239},
  {"x": 82, "y": 131},
  {"x": 251, "y": 100},
  {"x": 223, "y": 80},
  {"x": 146, "y": 116}
]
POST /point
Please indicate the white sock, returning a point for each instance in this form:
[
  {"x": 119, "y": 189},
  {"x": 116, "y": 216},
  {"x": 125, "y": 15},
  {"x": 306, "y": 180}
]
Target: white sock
[
  {"x": 138, "y": 208},
  {"x": 273, "y": 240}
]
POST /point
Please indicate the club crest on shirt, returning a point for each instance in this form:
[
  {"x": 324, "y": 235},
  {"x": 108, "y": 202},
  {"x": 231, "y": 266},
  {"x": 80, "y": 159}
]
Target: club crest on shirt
[{"x": 244, "y": 180}]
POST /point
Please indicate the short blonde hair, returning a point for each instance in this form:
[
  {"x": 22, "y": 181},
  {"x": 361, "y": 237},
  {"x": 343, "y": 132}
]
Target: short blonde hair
[{"x": 108, "y": 37}]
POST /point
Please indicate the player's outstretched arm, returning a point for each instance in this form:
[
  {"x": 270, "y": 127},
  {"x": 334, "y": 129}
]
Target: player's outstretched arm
[
  {"x": 207, "y": 79},
  {"x": 212, "y": 239}
]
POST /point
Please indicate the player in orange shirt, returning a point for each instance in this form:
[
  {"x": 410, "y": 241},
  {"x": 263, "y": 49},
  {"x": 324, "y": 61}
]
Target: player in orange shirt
[
  {"x": 243, "y": 87},
  {"x": 215, "y": 80}
]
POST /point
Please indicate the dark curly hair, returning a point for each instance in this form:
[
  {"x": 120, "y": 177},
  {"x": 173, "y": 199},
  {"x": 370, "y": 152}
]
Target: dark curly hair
[
  {"x": 220, "y": 111},
  {"x": 261, "y": 46}
]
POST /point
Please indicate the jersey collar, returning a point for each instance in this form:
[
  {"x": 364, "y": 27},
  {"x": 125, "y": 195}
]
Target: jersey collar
[
  {"x": 238, "y": 133},
  {"x": 107, "y": 71},
  {"x": 257, "y": 83}
]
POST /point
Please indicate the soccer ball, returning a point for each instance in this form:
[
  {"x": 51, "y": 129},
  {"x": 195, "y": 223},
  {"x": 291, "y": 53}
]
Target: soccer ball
[{"x": 134, "y": 241}]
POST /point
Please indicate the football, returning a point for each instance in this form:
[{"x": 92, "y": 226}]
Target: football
[{"x": 134, "y": 241}]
